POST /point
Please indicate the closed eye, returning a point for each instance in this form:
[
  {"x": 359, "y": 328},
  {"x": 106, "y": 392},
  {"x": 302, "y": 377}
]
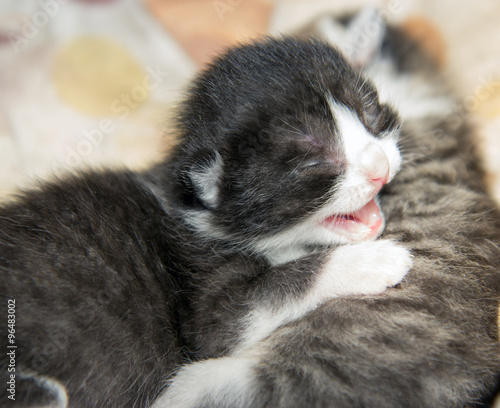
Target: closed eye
[
  {"x": 318, "y": 166},
  {"x": 306, "y": 166},
  {"x": 311, "y": 164}
]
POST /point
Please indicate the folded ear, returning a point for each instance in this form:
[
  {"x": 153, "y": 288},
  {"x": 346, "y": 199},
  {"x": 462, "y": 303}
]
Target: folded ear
[
  {"x": 202, "y": 176},
  {"x": 360, "y": 39}
]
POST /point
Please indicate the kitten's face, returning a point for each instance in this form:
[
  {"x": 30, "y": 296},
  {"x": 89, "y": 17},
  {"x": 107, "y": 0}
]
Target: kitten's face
[{"x": 300, "y": 164}]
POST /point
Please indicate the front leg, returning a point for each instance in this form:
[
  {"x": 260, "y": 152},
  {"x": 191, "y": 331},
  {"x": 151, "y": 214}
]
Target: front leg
[
  {"x": 365, "y": 268},
  {"x": 360, "y": 269}
]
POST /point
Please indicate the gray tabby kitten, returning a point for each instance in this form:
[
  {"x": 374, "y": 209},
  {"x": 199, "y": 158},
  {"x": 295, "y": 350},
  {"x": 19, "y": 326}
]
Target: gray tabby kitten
[{"x": 433, "y": 341}]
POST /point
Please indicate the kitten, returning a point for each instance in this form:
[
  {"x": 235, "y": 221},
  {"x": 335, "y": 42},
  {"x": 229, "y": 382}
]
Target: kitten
[
  {"x": 432, "y": 342},
  {"x": 264, "y": 210}
]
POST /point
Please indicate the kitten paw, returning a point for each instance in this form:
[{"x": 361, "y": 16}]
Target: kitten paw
[{"x": 366, "y": 268}]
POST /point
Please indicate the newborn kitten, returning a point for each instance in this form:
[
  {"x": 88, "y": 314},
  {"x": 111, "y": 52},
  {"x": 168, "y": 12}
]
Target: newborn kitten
[
  {"x": 433, "y": 341},
  {"x": 119, "y": 277}
]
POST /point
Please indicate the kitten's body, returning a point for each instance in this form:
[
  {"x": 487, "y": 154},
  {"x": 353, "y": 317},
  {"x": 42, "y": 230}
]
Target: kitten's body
[
  {"x": 432, "y": 343},
  {"x": 119, "y": 277}
]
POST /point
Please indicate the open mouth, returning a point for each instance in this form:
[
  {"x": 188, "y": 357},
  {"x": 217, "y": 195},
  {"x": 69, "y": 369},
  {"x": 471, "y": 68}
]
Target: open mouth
[{"x": 365, "y": 223}]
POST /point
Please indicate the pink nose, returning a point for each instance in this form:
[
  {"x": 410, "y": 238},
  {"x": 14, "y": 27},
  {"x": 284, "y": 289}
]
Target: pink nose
[
  {"x": 375, "y": 164},
  {"x": 380, "y": 181}
]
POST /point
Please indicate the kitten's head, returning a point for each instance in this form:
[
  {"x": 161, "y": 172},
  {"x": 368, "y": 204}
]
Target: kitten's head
[{"x": 283, "y": 145}]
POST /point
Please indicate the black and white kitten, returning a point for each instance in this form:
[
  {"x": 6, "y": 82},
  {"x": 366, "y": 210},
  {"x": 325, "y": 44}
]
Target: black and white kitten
[
  {"x": 264, "y": 210},
  {"x": 432, "y": 342}
]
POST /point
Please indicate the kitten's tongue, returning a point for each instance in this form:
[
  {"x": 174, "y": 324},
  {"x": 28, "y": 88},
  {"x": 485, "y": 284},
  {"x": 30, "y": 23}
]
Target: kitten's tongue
[
  {"x": 365, "y": 223},
  {"x": 370, "y": 214}
]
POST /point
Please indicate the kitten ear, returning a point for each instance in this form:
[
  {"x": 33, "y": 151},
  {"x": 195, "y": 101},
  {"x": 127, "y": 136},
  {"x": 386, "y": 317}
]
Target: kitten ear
[
  {"x": 360, "y": 39},
  {"x": 204, "y": 175}
]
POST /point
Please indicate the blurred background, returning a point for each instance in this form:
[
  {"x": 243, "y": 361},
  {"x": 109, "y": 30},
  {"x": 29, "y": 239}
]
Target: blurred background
[{"x": 93, "y": 82}]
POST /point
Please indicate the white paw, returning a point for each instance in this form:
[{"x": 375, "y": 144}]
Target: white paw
[{"x": 366, "y": 268}]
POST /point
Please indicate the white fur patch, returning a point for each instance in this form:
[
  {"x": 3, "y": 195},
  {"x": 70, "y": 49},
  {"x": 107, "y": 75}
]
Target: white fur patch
[
  {"x": 277, "y": 254},
  {"x": 226, "y": 381},
  {"x": 202, "y": 222},
  {"x": 261, "y": 322},
  {"x": 366, "y": 268},
  {"x": 206, "y": 179}
]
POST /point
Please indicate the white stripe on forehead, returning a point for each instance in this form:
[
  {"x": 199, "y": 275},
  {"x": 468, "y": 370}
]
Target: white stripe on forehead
[{"x": 355, "y": 137}]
